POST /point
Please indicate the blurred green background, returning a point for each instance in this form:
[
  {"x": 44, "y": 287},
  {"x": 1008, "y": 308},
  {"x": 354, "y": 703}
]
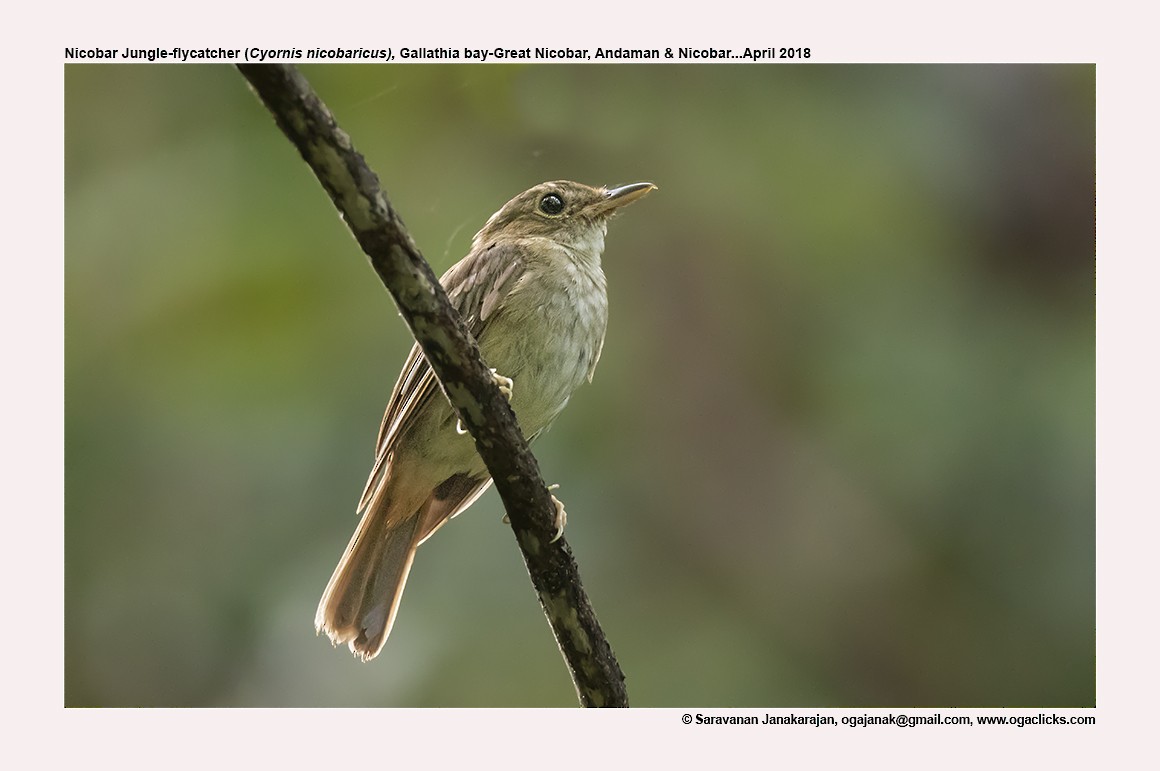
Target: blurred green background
[{"x": 839, "y": 451}]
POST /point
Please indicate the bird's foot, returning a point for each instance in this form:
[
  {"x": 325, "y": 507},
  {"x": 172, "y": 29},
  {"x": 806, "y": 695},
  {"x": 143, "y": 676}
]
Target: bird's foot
[
  {"x": 561, "y": 516},
  {"x": 505, "y": 384}
]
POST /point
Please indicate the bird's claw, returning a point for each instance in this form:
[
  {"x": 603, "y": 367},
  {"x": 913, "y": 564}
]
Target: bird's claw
[
  {"x": 505, "y": 384},
  {"x": 561, "y": 515}
]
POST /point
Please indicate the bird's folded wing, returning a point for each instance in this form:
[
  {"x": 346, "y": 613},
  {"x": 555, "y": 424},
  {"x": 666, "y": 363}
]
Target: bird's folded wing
[{"x": 475, "y": 285}]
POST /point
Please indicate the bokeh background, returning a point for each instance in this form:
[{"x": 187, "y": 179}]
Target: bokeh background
[{"x": 839, "y": 451}]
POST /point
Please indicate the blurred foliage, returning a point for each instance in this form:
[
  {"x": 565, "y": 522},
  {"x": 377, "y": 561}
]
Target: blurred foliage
[{"x": 839, "y": 451}]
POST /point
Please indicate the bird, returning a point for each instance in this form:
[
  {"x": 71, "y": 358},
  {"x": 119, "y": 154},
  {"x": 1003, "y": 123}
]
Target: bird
[{"x": 532, "y": 292}]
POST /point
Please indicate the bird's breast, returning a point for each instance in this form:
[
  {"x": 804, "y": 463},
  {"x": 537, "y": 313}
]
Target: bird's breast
[{"x": 546, "y": 336}]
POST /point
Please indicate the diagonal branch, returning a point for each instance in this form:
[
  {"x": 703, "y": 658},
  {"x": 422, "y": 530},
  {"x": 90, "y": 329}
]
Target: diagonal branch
[{"x": 455, "y": 358}]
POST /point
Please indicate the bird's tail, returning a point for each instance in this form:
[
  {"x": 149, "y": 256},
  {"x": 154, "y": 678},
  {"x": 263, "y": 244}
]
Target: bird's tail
[{"x": 359, "y": 605}]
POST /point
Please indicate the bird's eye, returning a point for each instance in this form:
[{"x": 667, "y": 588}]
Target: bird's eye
[{"x": 551, "y": 204}]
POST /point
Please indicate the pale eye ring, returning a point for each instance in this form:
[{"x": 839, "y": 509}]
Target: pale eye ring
[{"x": 551, "y": 204}]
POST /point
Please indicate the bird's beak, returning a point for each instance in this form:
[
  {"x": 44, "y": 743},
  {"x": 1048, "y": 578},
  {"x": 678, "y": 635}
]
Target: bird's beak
[{"x": 624, "y": 195}]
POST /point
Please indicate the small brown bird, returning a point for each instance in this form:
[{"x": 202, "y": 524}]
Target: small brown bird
[{"x": 532, "y": 293}]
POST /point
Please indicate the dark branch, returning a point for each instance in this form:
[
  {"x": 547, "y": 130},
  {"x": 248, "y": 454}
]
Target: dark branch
[{"x": 456, "y": 360}]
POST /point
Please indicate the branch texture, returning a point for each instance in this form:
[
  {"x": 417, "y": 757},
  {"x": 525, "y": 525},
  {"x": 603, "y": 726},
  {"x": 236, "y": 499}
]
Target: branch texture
[{"x": 456, "y": 361}]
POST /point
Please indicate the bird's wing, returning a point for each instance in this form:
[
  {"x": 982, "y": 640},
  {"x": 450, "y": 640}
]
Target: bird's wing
[{"x": 475, "y": 285}]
